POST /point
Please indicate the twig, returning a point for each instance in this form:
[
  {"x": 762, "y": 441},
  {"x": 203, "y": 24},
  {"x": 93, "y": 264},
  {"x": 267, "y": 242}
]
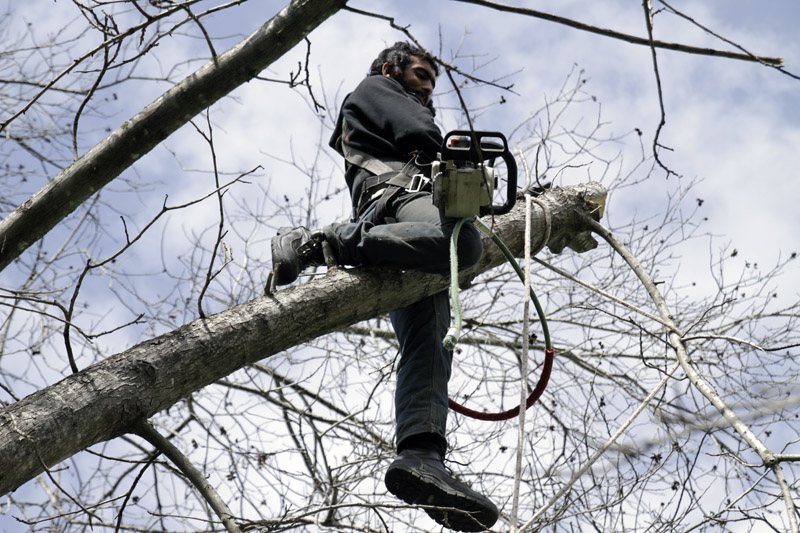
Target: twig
[
  {"x": 115, "y": 39},
  {"x": 777, "y": 66},
  {"x": 149, "y": 433},
  {"x": 210, "y": 275},
  {"x": 741, "y": 341},
  {"x": 203, "y": 30},
  {"x": 90, "y": 94},
  {"x": 128, "y": 495},
  {"x": 603, "y": 293},
  {"x": 317, "y": 105},
  {"x": 462, "y": 103},
  {"x": 610, "y": 442},
  {"x": 648, "y": 16},
  {"x": 447, "y": 66},
  {"x": 68, "y": 312}
]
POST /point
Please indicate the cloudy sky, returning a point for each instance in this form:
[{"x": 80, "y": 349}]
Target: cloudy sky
[{"x": 731, "y": 126}]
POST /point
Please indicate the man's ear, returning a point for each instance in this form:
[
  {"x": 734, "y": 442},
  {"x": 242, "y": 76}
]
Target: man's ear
[{"x": 386, "y": 70}]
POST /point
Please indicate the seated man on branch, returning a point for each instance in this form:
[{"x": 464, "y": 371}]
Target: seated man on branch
[{"x": 387, "y": 135}]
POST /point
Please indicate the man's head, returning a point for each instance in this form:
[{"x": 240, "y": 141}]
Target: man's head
[{"x": 414, "y": 68}]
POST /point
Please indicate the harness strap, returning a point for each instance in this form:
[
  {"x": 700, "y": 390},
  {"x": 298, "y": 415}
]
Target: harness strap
[
  {"x": 409, "y": 177},
  {"x": 364, "y": 160}
]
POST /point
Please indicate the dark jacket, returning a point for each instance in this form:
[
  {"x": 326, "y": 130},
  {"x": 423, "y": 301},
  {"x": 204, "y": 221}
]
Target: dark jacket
[{"x": 380, "y": 117}]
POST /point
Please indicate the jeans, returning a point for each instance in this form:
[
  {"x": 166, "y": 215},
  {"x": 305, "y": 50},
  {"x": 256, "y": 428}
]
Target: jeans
[{"x": 418, "y": 240}]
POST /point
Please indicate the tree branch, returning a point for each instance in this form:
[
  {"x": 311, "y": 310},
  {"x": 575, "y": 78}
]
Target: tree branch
[
  {"x": 149, "y": 433},
  {"x": 772, "y": 61},
  {"x": 648, "y": 17},
  {"x": 678, "y": 344},
  {"x": 778, "y": 66},
  {"x": 602, "y": 450}
]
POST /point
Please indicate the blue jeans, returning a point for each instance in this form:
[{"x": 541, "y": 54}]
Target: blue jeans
[{"x": 418, "y": 240}]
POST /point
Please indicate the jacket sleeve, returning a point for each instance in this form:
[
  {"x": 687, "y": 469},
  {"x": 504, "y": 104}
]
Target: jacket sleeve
[{"x": 383, "y": 119}]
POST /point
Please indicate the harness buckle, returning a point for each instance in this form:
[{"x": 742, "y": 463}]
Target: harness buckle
[{"x": 418, "y": 182}]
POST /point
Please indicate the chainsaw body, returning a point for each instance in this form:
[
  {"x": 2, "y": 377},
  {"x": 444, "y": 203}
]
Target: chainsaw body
[{"x": 464, "y": 177}]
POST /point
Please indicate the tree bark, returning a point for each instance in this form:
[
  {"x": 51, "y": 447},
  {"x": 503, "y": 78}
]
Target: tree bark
[
  {"x": 136, "y": 137},
  {"x": 108, "y": 398}
]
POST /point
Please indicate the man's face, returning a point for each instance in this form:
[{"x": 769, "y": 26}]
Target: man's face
[{"x": 418, "y": 77}]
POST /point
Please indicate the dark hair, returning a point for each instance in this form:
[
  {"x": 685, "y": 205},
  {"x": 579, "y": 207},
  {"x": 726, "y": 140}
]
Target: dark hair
[{"x": 399, "y": 55}]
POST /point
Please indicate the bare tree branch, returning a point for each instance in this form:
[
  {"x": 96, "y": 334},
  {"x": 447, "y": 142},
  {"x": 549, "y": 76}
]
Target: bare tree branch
[
  {"x": 151, "y": 435},
  {"x": 699, "y": 382},
  {"x": 648, "y": 16},
  {"x": 776, "y": 65},
  {"x": 772, "y": 61}
]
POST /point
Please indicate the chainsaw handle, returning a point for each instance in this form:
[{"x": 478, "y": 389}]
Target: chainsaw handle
[
  {"x": 466, "y": 145},
  {"x": 511, "y": 186},
  {"x": 477, "y": 151}
]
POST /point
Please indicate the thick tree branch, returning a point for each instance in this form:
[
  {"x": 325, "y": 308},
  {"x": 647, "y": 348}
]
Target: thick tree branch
[
  {"x": 136, "y": 137},
  {"x": 108, "y": 399},
  {"x": 777, "y": 65}
]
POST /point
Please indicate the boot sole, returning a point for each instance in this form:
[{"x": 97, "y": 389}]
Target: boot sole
[{"x": 450, "y": 508}]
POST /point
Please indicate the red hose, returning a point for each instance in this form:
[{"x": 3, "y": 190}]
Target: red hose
[{"x": 549, "y": 355}]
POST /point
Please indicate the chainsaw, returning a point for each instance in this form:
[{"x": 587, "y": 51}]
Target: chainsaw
[{"x": 464, "y": 178}]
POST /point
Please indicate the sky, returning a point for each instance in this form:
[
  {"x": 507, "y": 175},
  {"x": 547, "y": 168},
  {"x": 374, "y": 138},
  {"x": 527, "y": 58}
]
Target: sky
[{"x": 730, "y": 126}]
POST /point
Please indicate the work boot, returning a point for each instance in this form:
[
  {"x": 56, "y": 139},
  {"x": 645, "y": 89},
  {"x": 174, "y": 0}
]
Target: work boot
[
  {"x": 294, "y": 250},
  {"x": 418, "y": 476}
]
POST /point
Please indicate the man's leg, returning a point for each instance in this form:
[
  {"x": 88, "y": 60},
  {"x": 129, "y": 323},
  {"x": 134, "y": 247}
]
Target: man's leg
[
  {"x": 423, "y": 371},
  {"x": 418, "y": 474},
  {"x": 419, "y": 240}
]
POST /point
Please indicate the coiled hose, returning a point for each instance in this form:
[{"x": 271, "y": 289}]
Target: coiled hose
[{"x": 454, "y": 333}]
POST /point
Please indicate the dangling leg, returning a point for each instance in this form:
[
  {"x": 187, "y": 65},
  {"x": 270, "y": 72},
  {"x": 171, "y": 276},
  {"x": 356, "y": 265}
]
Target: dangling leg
[
  {"x": 418, "y": 475},
  {"x": 423, "y": 370}
]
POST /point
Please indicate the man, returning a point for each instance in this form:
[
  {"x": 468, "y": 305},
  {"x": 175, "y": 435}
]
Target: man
[{"x": 387, "y": 134}]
